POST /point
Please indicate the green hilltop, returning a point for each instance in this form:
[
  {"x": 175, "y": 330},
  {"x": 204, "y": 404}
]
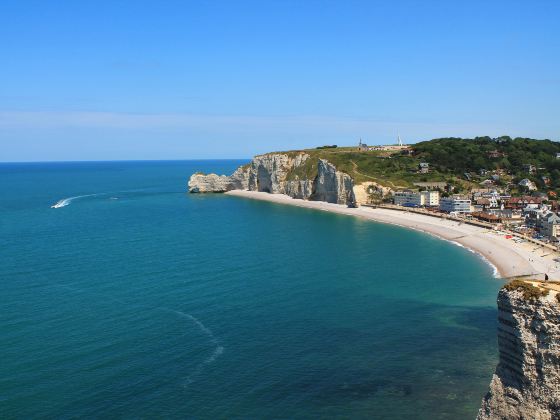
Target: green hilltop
[{"x": 464, "y": 163}]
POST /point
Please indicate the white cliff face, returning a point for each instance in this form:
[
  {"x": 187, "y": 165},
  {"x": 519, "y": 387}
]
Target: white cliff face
[
  {"x": 301, "y": 188},
  {"x": 333, "y": 186},
  {"x": 283, "y": 173},
  {"x": 526, "y": 384},
  {"x": 200, "y": 183},
  {"x": 269, "y": 173}
]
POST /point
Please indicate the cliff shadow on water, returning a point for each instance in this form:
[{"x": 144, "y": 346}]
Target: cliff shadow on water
[{"x": 422, "y": 361}]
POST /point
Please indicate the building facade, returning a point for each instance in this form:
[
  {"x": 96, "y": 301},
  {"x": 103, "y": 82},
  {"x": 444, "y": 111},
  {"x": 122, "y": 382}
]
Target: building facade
[
  {"x": 550, "y": 226},
  {"x": 431, "y": 198},
  {"x": 522, "y": 202},
  {"x": 409, "y": 198},
  {"x": 455, "y": 204},
  {"x": 527, "y": 183}
]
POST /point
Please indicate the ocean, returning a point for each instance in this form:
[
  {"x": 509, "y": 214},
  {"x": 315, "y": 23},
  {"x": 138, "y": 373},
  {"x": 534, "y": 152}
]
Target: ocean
[{"x": 134, "y": 299}]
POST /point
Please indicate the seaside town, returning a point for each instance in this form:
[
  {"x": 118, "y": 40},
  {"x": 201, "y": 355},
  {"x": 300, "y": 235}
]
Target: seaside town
[{"x": 492, "y": 199}]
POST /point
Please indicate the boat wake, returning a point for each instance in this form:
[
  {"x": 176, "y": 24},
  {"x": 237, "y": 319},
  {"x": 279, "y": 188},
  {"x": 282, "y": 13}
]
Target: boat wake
[
  {"x": 218, "y": 349},
  {"x": 66, "y": 201},
  {"x": 113, "y": 195}
]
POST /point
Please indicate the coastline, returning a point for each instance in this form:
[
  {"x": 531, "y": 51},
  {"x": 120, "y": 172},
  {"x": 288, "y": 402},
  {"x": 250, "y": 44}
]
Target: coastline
[{"x": 508, "y": 258}]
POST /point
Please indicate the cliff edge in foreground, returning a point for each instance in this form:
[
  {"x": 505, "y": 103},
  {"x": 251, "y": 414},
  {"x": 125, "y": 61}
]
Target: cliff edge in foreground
[
  {"x": 295, "y": 174},
  {"x": 526, "y": 383}
]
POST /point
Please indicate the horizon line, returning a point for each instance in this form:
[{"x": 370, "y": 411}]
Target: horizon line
[{"x": 115, "y": 160}]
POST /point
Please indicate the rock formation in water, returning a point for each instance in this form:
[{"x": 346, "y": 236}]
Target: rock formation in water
[
  {"x": 201, "y": 183},
  {"x": 295, "y": 174},
  {"x": 526, "y": 384}
]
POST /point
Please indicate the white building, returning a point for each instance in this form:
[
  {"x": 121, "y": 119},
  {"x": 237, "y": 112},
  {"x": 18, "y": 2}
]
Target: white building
[
  {"x": 431, "y": 198},
  {"x": 455, "y": 203},
  {"x": 409, "y": 198},
  {"x": 493, "y": 197},
  {"x": 550, "y": 226},
  {"x": 494, "y": 200},
  {"x": 536, "y": 214},
  {"x": 527, "y": 183}
]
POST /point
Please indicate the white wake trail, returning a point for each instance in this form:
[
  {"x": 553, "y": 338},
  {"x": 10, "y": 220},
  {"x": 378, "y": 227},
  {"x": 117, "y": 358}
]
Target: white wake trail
[
  {"x": 66, "y": 201},
  {"x": 218, "y": 350}
]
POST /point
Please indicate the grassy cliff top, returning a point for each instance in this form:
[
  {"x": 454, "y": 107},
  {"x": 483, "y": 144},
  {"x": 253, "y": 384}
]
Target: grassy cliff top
[
  {"x": 387, "y": 168},
  {"x": 534, "y": 289},
  {"x": 528, "y": 288},
  {"x": 449, "y": 160}
]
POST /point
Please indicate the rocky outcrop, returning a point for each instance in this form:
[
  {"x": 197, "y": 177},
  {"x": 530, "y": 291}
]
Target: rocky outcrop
[
  {"x": 366, "y": 192},
  {"x": 273, "y": 172},
  {"x": 200, "y": 183},
  {"x": 297, "y": 175},
  {"x": 332, "y": 186},
  {"x": 526, "y": 384}
]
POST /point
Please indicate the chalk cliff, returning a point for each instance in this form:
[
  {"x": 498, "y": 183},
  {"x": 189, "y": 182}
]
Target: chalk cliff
[
  {"x": 201, "y": 183},
  {"x": 295, "y": 174},
  {"x": 526, "y": 383}
]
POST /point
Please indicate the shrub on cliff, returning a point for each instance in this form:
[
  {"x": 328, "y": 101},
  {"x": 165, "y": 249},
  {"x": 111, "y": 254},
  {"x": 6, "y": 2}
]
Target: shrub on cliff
[{"x": 529, "y": 291}]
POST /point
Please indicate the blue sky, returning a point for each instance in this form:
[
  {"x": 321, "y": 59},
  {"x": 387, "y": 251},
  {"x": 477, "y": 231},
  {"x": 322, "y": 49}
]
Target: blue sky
[{"x": 85, "y": 80}]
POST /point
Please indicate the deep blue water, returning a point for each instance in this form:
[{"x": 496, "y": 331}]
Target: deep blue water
[{"x": 141, "y": 301}]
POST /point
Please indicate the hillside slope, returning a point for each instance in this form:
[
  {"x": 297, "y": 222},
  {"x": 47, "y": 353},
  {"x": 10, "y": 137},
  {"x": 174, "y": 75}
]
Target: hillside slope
[{"x": 343, "y": 174}]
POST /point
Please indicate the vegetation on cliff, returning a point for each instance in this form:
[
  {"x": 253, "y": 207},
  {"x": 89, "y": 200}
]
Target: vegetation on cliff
[
  {"x": 529, "y": 291},
  {"x": 456, "y": 155},
  {"x": 389, "y": 169},
  {"x": 457, "y": 161}
]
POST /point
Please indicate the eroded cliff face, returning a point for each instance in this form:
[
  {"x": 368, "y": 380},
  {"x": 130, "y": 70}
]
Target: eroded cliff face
[
  {"x": 526, "y": 384},
  {"x": 201, "y": 183},
  {"x": 273, "y": 173},
  {"x": 363, "y": 191},
  {"x": 295, "y": 175},
  {"x": 332, "y": 186}
]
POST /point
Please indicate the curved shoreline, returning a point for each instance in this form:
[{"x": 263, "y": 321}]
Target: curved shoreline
[
  {"x": 509, "y": 259},
  {"x": 496, "y": 272}
]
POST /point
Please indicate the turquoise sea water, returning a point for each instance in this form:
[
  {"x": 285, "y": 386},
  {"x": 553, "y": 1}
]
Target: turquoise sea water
[{"x": 137, "y": 300}]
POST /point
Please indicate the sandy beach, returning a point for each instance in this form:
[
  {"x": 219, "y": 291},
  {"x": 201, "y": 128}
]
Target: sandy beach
[{"x": 510, "y": 259}]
